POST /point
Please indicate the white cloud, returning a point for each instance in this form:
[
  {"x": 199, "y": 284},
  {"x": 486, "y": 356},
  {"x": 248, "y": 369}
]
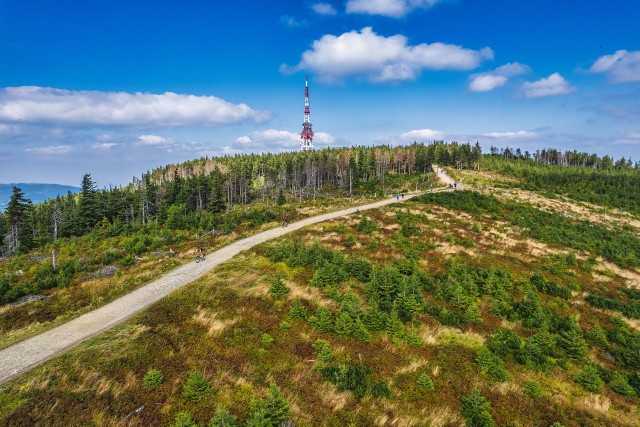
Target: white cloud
[
  {"x": 324, "y": 9},
  {"x": 484, "y": 82},
  {"x": 278, "y": 139},
  {"x": 50, "y": 150},
  {"x": 555, "y": 84},
  {"x": 390, "y": 8},
  {"x": 621, "y": 67},
  {"x": 521, "y": 134},
  {"x": 383, "y": 59},
  {"x": 33, "y": 104},
  {"x": 629, "y": 138},
  {"x": 422, "y": 135},
  {"x": 103, "y": 146},
  {"x": 154, "y": 140}
]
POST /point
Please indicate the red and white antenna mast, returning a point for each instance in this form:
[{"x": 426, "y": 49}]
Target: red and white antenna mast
[{"x": 306, "y": 136}]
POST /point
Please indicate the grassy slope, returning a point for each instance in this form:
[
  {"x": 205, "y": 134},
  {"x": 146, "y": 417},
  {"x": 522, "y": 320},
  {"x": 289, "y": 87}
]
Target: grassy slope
[
  {"x": 87, "y": 292},
  {"x": 217, "y": 324}
]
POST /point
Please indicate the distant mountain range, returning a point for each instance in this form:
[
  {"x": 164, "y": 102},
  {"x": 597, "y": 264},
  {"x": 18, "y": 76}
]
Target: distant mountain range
[{"x": 35, "y": 192}]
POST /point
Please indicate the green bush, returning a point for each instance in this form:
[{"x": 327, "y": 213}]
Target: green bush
[
  {"x": 278, "y": 289},
  {"x": 183, "y": 419},
  {"x": 532, "y": 388},
  {"x": 271, "y": 411},
  {"x": 223, "y": 418},
  {"x": 196, "y": 387},
  {"x": 380, "y": 389},
  {"x": 298, "y": 310},
  {"x": 425, "y": 383},
  {"x": 325, "y": 354},
  {"x": 475, "y": 409},
  {"x": 589, "y": 379},
  {"x": 366, "y": 226},
  {"x": 153, "y": 378},
  {"x": 620, "y": 385}
]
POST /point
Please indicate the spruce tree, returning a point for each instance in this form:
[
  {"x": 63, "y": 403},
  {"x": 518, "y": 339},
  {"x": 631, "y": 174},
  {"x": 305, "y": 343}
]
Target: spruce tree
[
  {"x": 322, "y": 320},
  {"x": 394, "y": 326},
  {"x": 475, "y": 409},
  {"x": 297, "y": 310},
  {"x": 278, "y": 289},
  {"x": 223, "y": 418},
  {"x": 89, "y": 212},
  {"x": 18, "y": 238}
]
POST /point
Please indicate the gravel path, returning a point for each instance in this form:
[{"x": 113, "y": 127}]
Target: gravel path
[{"x": 27, "y": 354}]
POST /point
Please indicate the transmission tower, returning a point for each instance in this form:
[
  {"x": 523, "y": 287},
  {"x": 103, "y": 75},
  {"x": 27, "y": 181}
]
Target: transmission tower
[{"x": 306, "y": 136}]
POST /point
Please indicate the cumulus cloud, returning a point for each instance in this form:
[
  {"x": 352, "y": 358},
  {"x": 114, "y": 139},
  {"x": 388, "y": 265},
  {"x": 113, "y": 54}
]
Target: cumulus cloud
[
  {"x": 423, "y": 135},
  {"x": 521, "y": 134},
  {"x": 390, "y": 8},
  {"x": 621, "y": 67},
  {"x": 324, "y": 9},
  {"x": 484, "y": 82},
  {"x": 277, "y": 139},
  {"x": 383, "y": 59},
  {"x": 33, "y": 104},
  {"x": 555, "y": 84},
  {"x": 51, "y": 150}
]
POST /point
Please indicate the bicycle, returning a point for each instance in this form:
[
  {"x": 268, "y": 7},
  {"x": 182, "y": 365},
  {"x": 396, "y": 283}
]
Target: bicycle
[
  {"x": 285, "y": 224},
  {"x": 200, "y": 257}
]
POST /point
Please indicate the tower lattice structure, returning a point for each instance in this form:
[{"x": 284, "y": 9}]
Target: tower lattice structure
[{"x": 306, "y": 136}]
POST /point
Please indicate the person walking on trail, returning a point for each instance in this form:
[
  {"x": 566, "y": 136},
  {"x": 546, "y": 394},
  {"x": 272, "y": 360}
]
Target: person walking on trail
[
  {"x": 402, "y": 195},
  {"x": 397, "y": 196},
  {"x": 455, "y": 185}
]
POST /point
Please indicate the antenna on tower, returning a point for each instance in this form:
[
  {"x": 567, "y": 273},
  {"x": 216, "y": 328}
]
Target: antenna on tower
[{"x": 306, "y": 136}]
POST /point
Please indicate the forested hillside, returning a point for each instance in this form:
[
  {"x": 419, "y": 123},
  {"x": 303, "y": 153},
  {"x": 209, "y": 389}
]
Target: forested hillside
[{"x": 455, "y": 308}]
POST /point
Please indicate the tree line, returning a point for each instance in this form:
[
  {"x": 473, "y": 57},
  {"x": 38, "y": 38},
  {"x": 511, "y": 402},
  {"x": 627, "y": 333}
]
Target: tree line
[{"x": 195, "y": 193}]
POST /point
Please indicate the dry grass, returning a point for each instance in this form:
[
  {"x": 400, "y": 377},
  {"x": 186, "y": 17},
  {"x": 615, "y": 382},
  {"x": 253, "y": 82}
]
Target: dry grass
[
  {"x": 595, "y": 403},
  {"x": 210, "y": 321},
  {"x": 444, "y": 335},
  {"x": 442, "y": 416}
]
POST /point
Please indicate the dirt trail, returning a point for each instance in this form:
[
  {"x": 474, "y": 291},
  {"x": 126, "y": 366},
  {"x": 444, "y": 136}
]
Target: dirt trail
[
  {"x": 27, "y": 354},
  {"x": 444, "y": 177}
]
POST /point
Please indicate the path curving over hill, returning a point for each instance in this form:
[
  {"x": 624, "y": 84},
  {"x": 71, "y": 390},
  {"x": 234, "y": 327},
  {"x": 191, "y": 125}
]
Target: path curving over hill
[{"x": 27, "y": 354}]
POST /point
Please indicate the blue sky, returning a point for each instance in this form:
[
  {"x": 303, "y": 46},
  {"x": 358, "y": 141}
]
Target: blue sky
[{"x": 116, "y": 88}]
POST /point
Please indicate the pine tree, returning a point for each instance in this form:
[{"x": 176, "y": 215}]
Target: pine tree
[
  {"x": 375, "y": 319},
  {"x": 573, "y": 342},
  {"x": 394, "y": 326},
  {"x": 590, "y": 379},
  {"x": 322, "y": 320},
  {"x": 223, "y": 418},
  {"x": 183, "y": 419},
  {"x": 475, "y": 409},
  {"x": 425, "y": 383},
  {"x": 491, "y": 364},
  {"x": 216, "y": 198},
  {"x": 18, "y": 238},
  {"x": 297, "y": 310},
  {"x": 277, "y": 406},
  {"x": 278, "y": 289},
  {"x": 472, "y": 314},
  {"x": 89, "y": 211},
  {"x": 360, "y": 331},
  {"x": 344, "y": 323}
]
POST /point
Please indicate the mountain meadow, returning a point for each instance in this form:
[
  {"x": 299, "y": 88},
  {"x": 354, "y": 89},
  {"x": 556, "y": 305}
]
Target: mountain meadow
[{"x": 513, "y": 300}]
